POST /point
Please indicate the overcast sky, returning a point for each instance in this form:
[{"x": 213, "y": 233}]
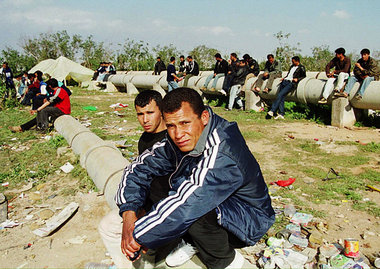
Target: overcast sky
[{"x": 243, "y": 26}]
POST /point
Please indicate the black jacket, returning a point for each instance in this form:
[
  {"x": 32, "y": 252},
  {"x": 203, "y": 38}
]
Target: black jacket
[
  {"x": 159, "y": 67},
  {"x": 299, "y": 74},
  {"x": 240, "y": 75},
  {"x": 192, "y": 68},
  {"x": 221, "y": 67},
  {"x": 253, "y": 66}
]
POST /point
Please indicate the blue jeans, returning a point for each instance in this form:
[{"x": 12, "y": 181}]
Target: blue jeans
[
  {"x": 352, "y": 80},
  {"x": 235, "y": 90},
  {"x": 210, "y": 77},
  {"x": 172, "y": 85},
  {"x": 286, "y": 87}
]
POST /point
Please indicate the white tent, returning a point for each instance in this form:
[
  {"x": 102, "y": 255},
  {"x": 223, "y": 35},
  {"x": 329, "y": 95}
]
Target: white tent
[{"x": 64, "y": 69}]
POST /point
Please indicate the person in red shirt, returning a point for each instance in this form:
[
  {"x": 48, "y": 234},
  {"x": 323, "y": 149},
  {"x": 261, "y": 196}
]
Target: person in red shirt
[{"x": 57, "y": 105}]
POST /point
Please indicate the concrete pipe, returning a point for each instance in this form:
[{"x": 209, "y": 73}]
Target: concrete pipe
[
  {"x": 145, "y": 81},
  {"x": 104, "y": 162}
]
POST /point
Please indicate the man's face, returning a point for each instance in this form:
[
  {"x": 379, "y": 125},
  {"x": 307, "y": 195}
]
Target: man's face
[
  {"x": 294, "y": 62},
  {"x": 185, "y": 127},
  {"x": 233, "y": 58},
  {"x": 340, "y": 56},
  {"x": 189, "y": 59},
  {"x": 149, "y": 117},
  {"x": 182, "y": 59},
  {"x": 271, "y": 60},
  {"x": 365, "y": 57}
]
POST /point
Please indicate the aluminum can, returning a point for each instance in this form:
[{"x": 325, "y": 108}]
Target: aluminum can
[{"x": 351, "y": 248}]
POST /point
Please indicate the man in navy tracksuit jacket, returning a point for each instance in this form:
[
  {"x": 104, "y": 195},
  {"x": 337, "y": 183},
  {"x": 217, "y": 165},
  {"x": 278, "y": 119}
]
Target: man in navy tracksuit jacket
[{"x": 217, "y": 192}]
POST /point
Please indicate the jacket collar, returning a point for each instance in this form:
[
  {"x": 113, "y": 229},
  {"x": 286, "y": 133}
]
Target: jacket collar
[{"x": 201, "y": 144}]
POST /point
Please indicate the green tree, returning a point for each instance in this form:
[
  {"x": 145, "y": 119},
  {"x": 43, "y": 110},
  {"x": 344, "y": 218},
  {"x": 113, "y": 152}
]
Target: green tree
[
  {"x": 284, "y": 52},
  {"x": 17, "y": 62},
  {"x": 93, "y": 52},
  {"x": 165, "y": 52},
  {"x": 204, "y": 56},
  {"x": 320, "y": 57},
  {"x": 134, "y": 55}
]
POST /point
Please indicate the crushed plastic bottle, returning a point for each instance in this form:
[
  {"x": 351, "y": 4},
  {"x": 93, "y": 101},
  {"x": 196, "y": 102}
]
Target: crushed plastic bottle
[{"x": 289, "y": 210}]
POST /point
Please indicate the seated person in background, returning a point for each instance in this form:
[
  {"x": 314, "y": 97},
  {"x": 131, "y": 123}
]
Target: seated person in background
[
  {"x": 342, "y": 65},
  {"x": 233, "y": 65},
  {"x": 192, "y": 69},
  {"x": 366, "y": 70},
  {"x": 237, "y": 82},
  {"x": 272, "y": 71},
  {"x": 42, "y": 92},
  {"x": 159, "y": 66},
  {"x": 56, "y": 105},
  {"x": 182, "y": 66},
  {"x": 253, "y": 67},
  {"x": 171, "y": 76},
  {"x": 7, "y": 75},
  {"x": 32, "y": 89},
  {"x": 296, "y": 73},
  {"x": 21, "y": 84},
  {"x": 111, "y": 69},
  {"x": 220, "y": 70},
  {"x": 102, "y": 71}
]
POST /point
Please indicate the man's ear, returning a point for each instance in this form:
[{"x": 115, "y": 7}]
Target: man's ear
[{"x": 205, "y": 117}]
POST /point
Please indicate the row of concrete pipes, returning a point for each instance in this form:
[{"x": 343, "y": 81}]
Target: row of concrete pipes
[{"x": 309, "y": 89}]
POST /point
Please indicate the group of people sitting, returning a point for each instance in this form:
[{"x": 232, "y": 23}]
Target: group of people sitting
[
  {"x": 236, "y": 72},
  {"x": 48, "y": 99},
  {"x": 103, "y": 71}
]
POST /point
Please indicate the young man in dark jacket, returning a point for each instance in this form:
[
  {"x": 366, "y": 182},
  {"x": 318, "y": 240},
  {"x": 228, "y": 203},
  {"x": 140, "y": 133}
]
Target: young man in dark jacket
[
  {"x": 159, "y": 66},
  {"x": 217, "y": 192},
  {"x": 7, "y": 74},
  {"x": 233, "y": 65},
  {"x": 220, "y": 70},
  {"x": 296, "y": 73},
  {"x": 192, "y": 69},
  {"x": 242, "y": 71},
  {"x": 366, "y": 70},
  {"x": 272, "y": 71}
]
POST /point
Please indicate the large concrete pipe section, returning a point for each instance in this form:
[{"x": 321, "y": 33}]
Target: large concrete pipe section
[{"x": 103, "y": 161}]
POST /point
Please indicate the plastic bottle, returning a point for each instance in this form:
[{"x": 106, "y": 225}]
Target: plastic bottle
[{"x": 289, "y": 210}]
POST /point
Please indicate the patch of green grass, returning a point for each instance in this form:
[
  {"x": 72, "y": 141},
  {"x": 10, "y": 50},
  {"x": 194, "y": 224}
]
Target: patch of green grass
[
  {"x": 370, "y": 147},
  {"x": 370, "y": 175},
  {"x": 310, "y": 147},
  {"x": 252, "y": 135},
  {"x": 369, "y": 206},
  {"x": 57, "y": 141}
]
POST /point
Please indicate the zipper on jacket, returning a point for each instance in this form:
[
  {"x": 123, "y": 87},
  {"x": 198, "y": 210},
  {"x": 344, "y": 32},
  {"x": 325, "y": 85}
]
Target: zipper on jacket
[{"x": 219, "y": 215}]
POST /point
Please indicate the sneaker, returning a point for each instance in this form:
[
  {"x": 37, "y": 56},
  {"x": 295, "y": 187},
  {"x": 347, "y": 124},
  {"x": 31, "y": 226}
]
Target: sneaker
[
  {"x": 279, "y": 117},
  {"x": 341, "y": 94},
  {"x": 223, "y": 92},
  {"x": 270, "y": 113},
  {"x": 15, "y": 129},
  {"x": 266, "y": 90},
  {"x": 203, "y": 88},
  {"x": 358, "y": 97},
  {"x": 181, "y": 254},
  {"x": 238, "y": 261},
  {"x": 213, "y": 89},
  {"x": 322, "y": 101}
]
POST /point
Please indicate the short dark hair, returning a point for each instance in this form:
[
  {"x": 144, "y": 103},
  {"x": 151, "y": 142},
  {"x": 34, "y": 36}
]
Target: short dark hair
[
  {"x": 246, "y": 57},
  {"x": 53, "y": 83},
  {"x": 365, "y": 51},
  {"x": 158, "y": 57},
  {"x": 31, "y": 76},
  {"x": 145, "y": 97},
  {"x": 270, "y": 56},
  {"x": 172, "y": 58},
  {"x": 340, "y": 51},
  {"x": 182, "y": 56},
  {"x": 218, "y": 55},
  {"x": 5, "y": 63},
  {"x": 190, "y": 57},
  {"x": 234, "y": 54},
  {"x": 296, "y": 58},
  {"x": 172, "y": 101},
  {"x": 39, "y": 75}
]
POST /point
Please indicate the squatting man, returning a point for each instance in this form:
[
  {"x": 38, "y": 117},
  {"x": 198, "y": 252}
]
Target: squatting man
[{"x": 217, "y": 197}]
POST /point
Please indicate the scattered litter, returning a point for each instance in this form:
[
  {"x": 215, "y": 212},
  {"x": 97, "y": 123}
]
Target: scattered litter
[
  {"x": 117, "y": 113},
  {"x": 100, "y": 113},
  {"x": 67, "y": 167},
  {"x": 9, "y": 224},
  {"x": 28, "y": 245},
  {"x": 29, "y": 217},
  {"x": 289, "y": 210},
  {"x": 298, "y": 239},
  {"x": 330, "y": 250},
  {"x": 5, "y": 184},
  {"x": 351, "y": 248},
  {"x": 291, "y": 136},
  {"x": 301, "y": 218},
  {"x": 333, "y": 172},
  {"x": 90, "y": 108},
  {"x": 52, "y": 196},
  {"x": 275, "y": 242},
  {"x": 47, "y": 137},
  {"x": 373, "y": 188},
  {"x": 118, "y": 105},
  {"x": 293, "y": 227},
  {"x": 14, "y": 139},
  {"x": 284, "y": 183},
  {"x": 56, "y": 221}
]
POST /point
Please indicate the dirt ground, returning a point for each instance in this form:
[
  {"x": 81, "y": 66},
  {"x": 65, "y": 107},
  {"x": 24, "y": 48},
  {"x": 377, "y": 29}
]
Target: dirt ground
[{"x": 78, "y": 242}]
